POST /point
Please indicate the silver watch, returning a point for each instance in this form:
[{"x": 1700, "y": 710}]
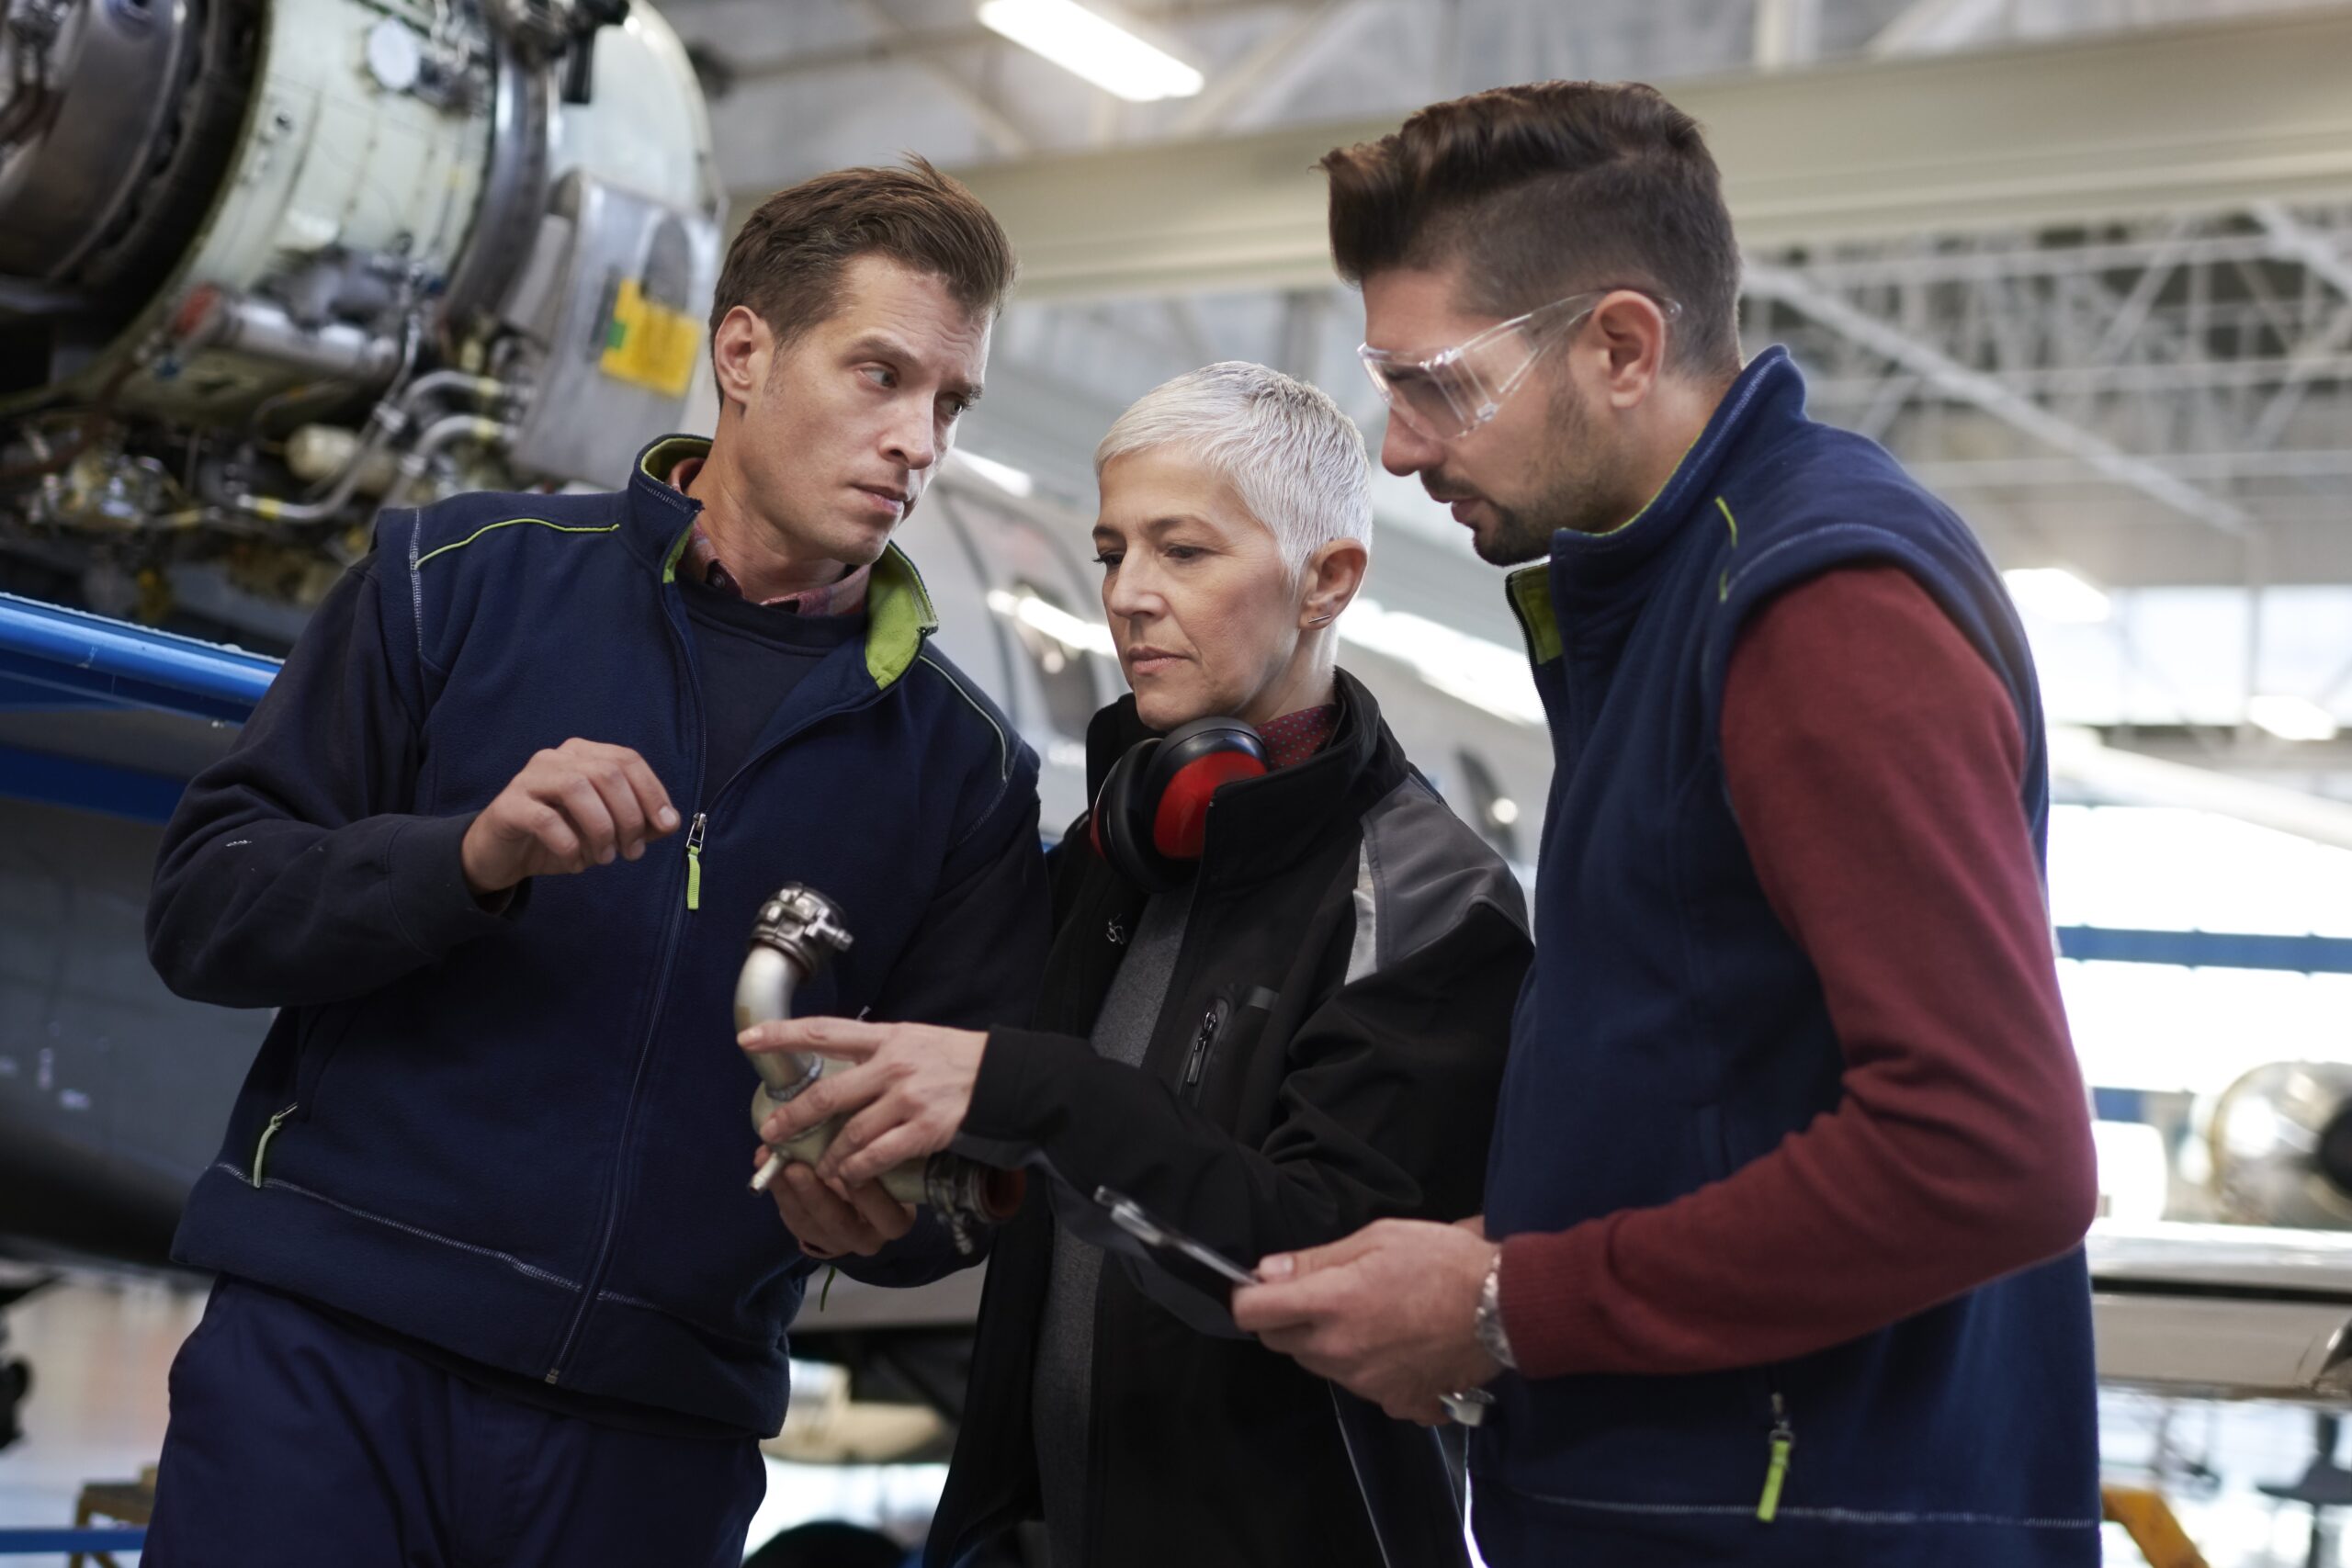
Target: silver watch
[{"x": 1487, "y": 1324}]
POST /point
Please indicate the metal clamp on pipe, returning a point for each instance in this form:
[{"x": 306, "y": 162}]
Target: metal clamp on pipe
[{"x": 797, "y": 933}]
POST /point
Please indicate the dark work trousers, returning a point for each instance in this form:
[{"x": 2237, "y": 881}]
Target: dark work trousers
[{"x": 296, "y": 1442}]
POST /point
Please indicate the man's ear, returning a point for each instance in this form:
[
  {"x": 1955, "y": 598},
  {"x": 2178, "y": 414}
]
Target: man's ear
[
  {"x": 1331, "y": 578},
  {"x": 742, "y": 351},
  {"x": 1631, "y": 329}
]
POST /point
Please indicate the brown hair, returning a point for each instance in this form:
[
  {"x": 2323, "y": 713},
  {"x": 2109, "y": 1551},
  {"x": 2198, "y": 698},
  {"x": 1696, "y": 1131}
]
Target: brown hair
[
  {"x": 1545, "y": 190},
  {"x": 785, "y": 263}
]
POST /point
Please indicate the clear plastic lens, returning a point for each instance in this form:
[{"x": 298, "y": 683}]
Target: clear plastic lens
[
  {"x": 1451, "y": 393},
  {"x": 1420, "y": 396}
]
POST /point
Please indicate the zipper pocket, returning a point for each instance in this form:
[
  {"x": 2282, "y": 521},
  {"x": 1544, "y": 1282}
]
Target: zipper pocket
[
  {"x": 1776, "y": 1468},
  {"x": 1203, "y": 1039},
  {"x": 694, "y": 860},
  {"x": 261, "y": 1144},
  {"x": 1229, "y": 1026}
]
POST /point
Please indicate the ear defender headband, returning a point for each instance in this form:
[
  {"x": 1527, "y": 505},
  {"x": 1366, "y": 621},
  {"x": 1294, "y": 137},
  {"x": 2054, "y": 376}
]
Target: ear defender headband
[{"x": 1151, "y": 818}]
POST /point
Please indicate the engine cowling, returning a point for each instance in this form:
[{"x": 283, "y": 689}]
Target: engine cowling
[{"x": 345, "y": 254}]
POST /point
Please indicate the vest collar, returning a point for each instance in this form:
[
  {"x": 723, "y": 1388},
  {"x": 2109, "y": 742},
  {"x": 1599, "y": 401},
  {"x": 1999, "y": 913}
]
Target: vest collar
[{"x": 1584, "y": 570}]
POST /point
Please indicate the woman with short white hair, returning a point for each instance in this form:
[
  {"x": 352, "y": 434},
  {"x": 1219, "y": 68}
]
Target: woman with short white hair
[{"x": 1276, "y": 1008}]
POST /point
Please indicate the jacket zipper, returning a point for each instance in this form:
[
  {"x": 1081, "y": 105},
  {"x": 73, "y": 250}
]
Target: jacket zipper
[
  {"x": 1201, "y": 1039},
  {"x": 1776, "y": 1468},
  {"x": 261, "y": 1144},
  {"x": 609, "y": 1224},
  {"x": 694, "y": 831},
  {"x": 669, "y": 953}
]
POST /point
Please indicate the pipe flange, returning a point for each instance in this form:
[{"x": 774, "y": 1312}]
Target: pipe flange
[{"x": 804, "y": 925}]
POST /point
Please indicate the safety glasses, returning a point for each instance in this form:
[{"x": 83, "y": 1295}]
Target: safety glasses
[{"x": 1451, "y": 393}]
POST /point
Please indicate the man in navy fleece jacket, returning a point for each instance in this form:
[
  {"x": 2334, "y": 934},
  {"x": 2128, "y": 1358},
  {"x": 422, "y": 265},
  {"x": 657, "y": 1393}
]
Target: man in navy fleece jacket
[{"x": 491, "y": 1289}]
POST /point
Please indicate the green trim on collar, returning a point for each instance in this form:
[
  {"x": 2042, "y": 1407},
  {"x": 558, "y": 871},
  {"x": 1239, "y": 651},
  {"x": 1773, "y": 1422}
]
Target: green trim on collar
[
  {"x": 1645, "y": 506},
  {"x": 898, "y": 615},
  {"x": 899, "y": 610},
  {"x": 1530, "y": 590},
  {"x": 677, "y": 549},
  {"x": 1723, "y": 583},
  {"x": 663, "y": 456}
]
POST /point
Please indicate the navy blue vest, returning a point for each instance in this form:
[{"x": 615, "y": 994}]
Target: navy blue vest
[{"x": 1672, "y": 1031}]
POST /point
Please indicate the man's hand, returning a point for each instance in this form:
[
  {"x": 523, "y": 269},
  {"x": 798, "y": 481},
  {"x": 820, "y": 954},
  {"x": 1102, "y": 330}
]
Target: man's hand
[
  {"x": 828, "y": 1219},
  {"x": 1387, "y": 1312},
  {"x": 905, "y": 1097},
  {"x": 569, "y": 808}
]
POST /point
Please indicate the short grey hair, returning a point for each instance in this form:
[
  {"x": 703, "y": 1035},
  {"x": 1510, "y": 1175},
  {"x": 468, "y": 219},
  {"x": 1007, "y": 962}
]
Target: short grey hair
[{"x": 1296, "y": 460}]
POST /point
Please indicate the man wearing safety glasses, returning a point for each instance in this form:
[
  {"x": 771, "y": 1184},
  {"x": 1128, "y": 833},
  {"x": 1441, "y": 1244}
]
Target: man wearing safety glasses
[{"x": 1780, "y": 1258}]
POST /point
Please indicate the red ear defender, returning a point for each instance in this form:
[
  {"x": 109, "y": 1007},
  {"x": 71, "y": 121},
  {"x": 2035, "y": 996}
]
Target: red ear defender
[
  {"x": 1181, "y": 826},
  {"x": 1191, "y": 764},
  {"x": 1152, "y": 820}
]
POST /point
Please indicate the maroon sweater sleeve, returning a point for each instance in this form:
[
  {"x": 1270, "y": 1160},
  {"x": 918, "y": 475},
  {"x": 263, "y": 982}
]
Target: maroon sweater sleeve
[{"x": 1874, "y": 760}]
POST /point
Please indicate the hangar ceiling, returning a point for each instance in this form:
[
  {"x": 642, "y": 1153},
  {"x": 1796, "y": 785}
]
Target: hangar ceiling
[{"x": 2084, "y": 264}]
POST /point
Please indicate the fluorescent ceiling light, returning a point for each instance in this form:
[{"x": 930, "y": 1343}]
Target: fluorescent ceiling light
[
  {"x": 1088, "y": 44},
  {"x": 1005, "y": 476},
  {"x": 1483, "y": 673},
  {"x": 2054, "y": 593},
  {"x": 1071, "y": 631},
  {"x": 2291, "y": 718}
]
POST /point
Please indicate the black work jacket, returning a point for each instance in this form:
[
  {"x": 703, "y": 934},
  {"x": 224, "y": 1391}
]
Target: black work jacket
[{"x": 1327, "y": 1054}]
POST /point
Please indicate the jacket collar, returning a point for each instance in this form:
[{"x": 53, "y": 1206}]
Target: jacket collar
[
  {"x": 899, "y": 610},
  {"x": 1586, "y": 571},
  {"x": 1262, "y": 826}
]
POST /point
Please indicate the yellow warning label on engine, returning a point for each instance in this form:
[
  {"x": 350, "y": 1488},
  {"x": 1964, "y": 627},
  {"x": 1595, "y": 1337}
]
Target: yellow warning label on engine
[{"x": 649, "y": 345}]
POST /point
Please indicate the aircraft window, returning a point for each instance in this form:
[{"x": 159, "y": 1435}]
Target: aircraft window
[
  {"x": 1493, "y": 812},
  {"x": 1057, "y": 642}
]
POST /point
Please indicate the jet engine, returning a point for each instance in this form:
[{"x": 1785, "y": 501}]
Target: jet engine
[
  {"x": 2279, "y": 1142},
  {"x": 267, "y": 265}
]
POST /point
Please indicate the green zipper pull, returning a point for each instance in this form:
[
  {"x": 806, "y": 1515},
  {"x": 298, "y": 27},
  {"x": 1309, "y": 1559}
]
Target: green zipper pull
[
  {"x": 1784, "y": 1438},
  {"x": 693, "y": 863},
  {"x": 261, "y": 1148}
]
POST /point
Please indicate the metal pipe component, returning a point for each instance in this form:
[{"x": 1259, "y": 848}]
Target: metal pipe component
[
  {"x": 485, "y": 390},
  {"x": 797, "y": 931},
  {"x": 440, "y": 433},
  {"x": 386, "y": 422},
  {"x": 393, "y": 412},
  {"x": 263, "y": 329},
  {"x": 322, "y": 454},
  {"x": 796, "y": 934}
]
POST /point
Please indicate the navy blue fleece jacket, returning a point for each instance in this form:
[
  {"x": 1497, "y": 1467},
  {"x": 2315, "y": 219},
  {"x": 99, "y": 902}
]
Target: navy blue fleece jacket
[{"x": 524, "y": 1136}]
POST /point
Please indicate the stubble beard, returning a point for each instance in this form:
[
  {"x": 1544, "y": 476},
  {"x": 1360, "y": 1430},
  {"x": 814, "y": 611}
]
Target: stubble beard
[{"x": 1574, "y": 492}]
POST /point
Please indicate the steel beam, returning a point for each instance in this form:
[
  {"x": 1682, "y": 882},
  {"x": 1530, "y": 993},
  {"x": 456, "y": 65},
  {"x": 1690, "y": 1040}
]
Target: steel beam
[
  {"x": 2123, "y": 125},
  {"x": 2298, "y": 242},
  {"x": 1243, "y": 92},
  {"x": 1956, "y": 380},
  {"x": 1009, "y": 139}
]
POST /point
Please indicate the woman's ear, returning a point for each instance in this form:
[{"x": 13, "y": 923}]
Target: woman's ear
[{"x": 1332, "y": 576}]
